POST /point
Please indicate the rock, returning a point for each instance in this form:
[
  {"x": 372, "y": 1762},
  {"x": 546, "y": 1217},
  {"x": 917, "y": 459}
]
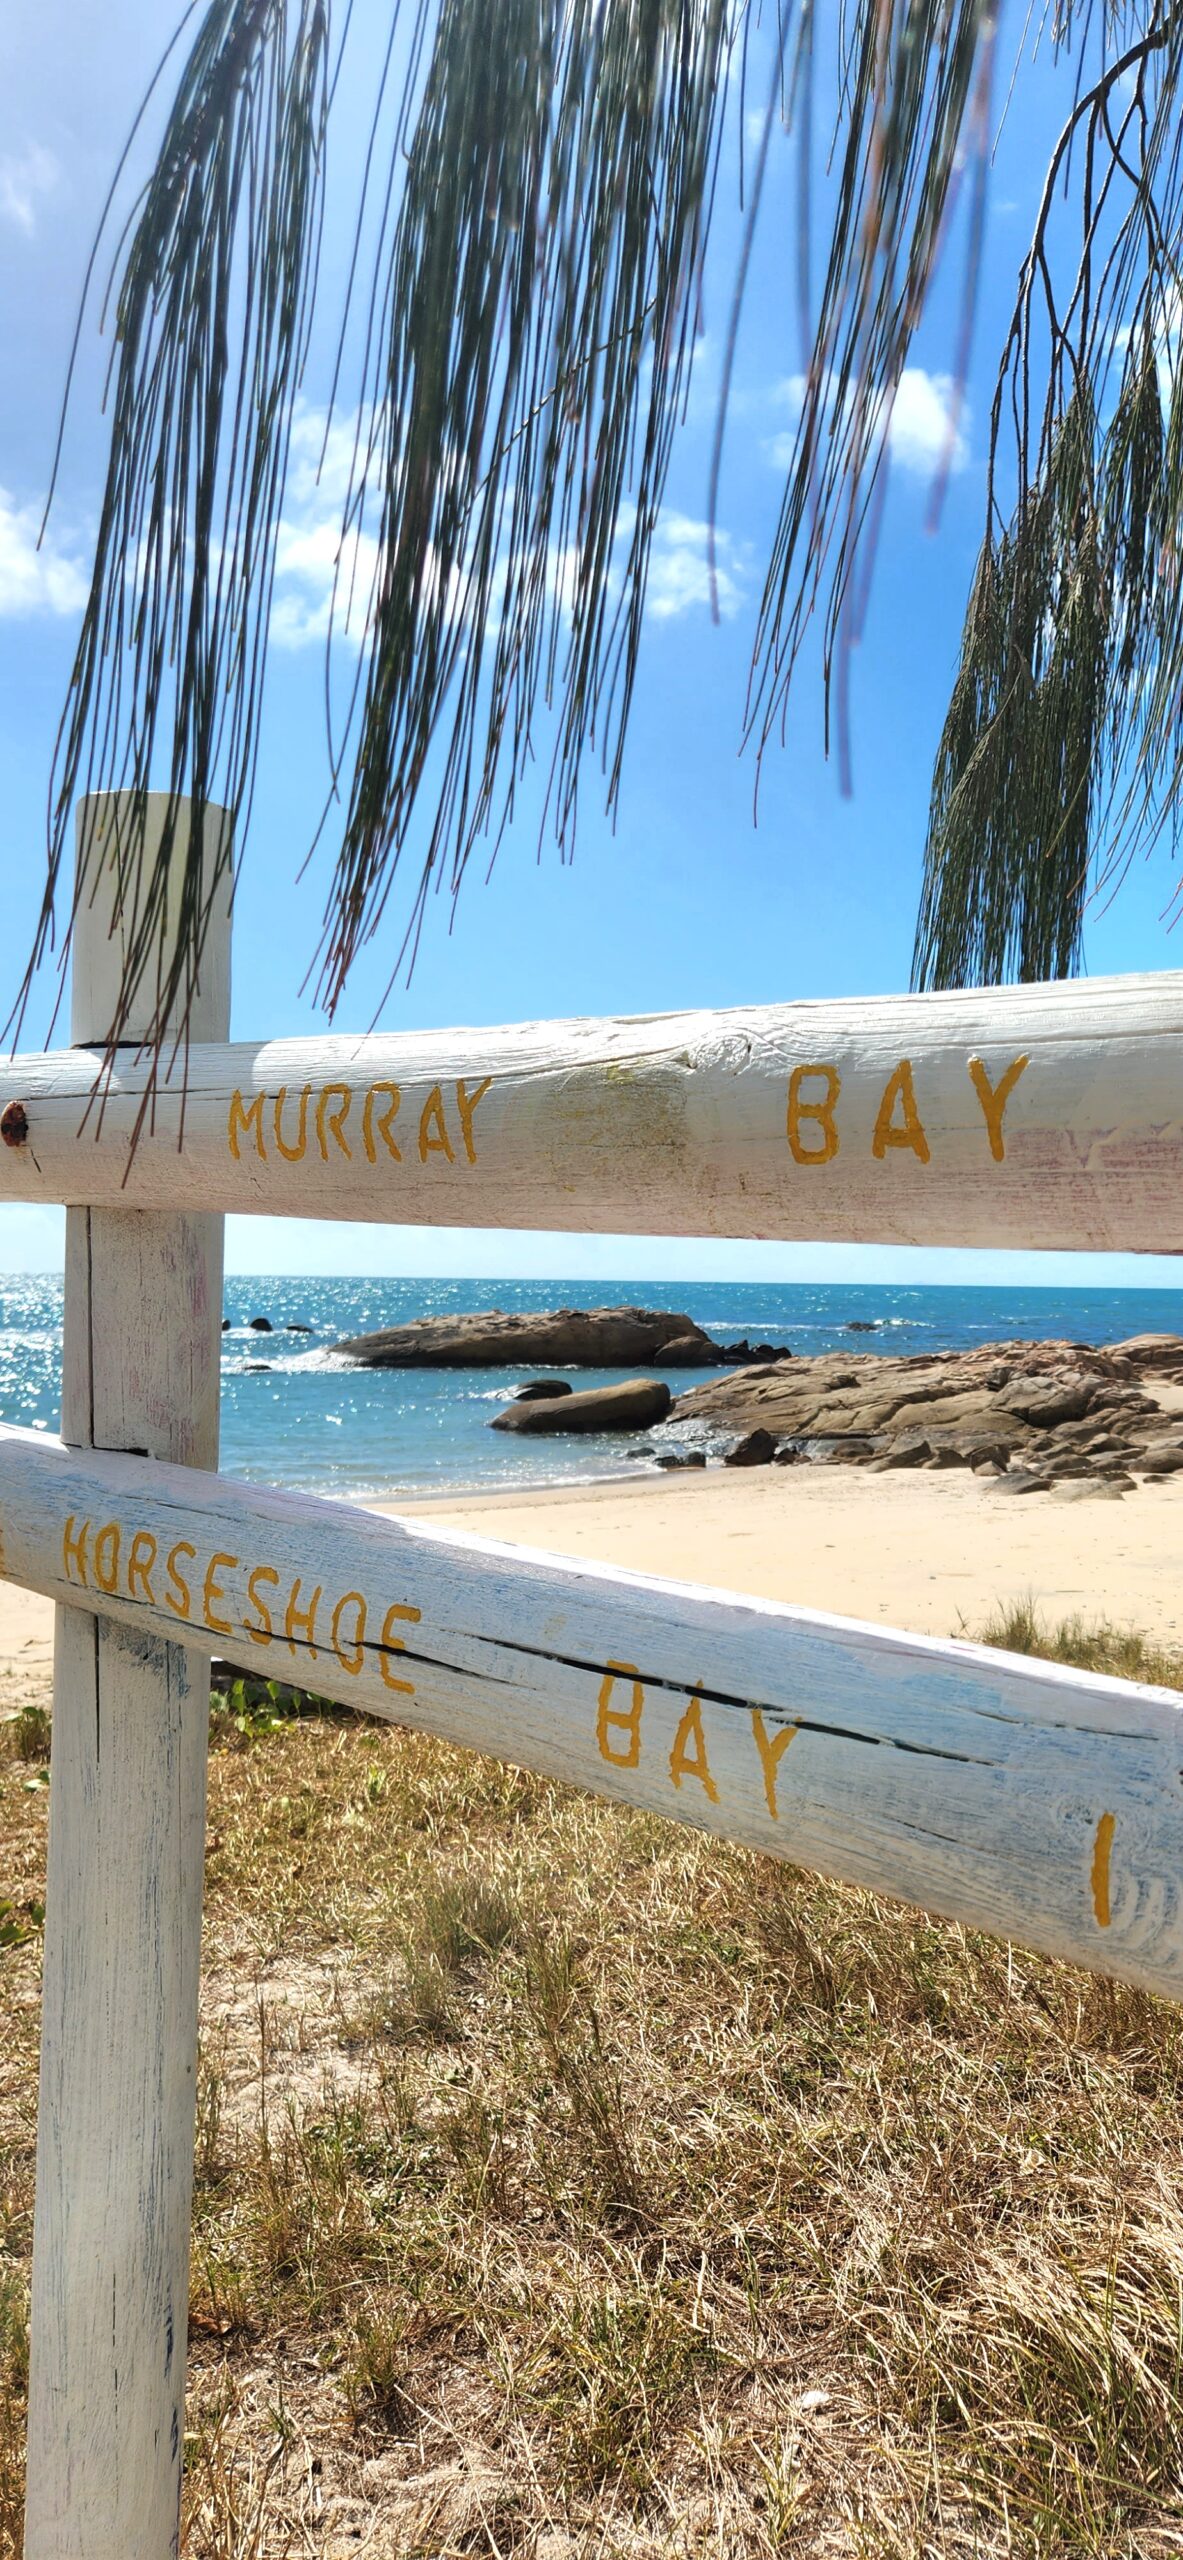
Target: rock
[
  {"x": 1046, "y": 1401},
  {"x": 861, "y": 1324},
  {"x": 912, "y": 1449},
  {"x": 756, "y": 1449},
  {"x": 298, "y": 1328},
  {"x": 789, "y": 1455},
  {"x": 255, "y": 1364},
  {"x": 536, "y": 1388},
  {"x": 695, "y": 1458},
  {"x": 261, "y": 1324},
  {"x": 225, "y": 1324},
  {"x": 566, "y": 1338},
  {"x": 1160, "y": 1462},
  {"x": 1086, "y": 1492},
  {"x": 1032, "y": 1407},
  {"x": 1019, "y": 1481},
  {"x": 684, "y": 1352},
  {"x": 631, "y": 1406},
  {"x": 970, "y": 1448},
  {"x": 1150, "y": 1352}
]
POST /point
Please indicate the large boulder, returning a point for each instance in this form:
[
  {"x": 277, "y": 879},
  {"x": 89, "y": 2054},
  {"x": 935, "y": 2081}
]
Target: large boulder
[
  {"x": 1149, "y": 1353},
  {"x": 566, "y": 1338},
  {"x": 632, "y": 1406},
  {"x": 1044, "y": 1402},
  {"x": 756, "y": 1449}
]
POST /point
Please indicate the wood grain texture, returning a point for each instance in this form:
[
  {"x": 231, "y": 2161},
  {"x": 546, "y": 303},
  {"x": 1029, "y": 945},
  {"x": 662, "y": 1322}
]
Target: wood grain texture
[
  {"x": 124, "y": 1890},
  {"x": 1016, "y": 1796},
  {"x": 1045, "y": 1116}
]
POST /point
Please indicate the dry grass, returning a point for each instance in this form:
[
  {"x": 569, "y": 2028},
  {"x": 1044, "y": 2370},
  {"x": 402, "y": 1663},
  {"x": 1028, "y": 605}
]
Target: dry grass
[{"x": 568, "y": 2185}]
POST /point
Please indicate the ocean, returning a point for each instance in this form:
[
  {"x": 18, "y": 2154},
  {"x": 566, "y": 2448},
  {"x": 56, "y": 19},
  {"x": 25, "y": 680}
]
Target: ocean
[{"x": 295, "y": 1413}]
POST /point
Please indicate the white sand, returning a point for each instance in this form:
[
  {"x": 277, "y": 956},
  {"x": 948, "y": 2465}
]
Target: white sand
[
  {"x": 935, "y": 1552},
  {"x": 939, "y": 1553}
]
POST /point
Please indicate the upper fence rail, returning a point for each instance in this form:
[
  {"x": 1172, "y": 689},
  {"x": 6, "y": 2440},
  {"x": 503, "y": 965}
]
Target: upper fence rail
[{"x": 1029, "y": 1116}]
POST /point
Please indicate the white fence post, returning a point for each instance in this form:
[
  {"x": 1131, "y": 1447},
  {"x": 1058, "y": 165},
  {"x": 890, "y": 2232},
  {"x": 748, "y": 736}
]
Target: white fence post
[{"x": 126, "y": 1845}]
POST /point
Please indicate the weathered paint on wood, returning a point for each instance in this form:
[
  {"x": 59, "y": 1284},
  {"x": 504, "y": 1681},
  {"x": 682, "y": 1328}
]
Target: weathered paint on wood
[
  {"x": 1022, "y": 1115},
  {"x": 123, "y": 1900},
  {"x": 1008, "y": 1794}
]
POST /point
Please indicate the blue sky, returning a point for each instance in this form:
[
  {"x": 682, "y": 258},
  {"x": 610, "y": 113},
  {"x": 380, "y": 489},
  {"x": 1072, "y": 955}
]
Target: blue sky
[{"x": 685, "y": 902}]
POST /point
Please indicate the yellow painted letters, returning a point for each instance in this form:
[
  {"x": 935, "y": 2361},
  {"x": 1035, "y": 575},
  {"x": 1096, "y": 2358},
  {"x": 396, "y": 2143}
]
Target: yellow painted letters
[
  {"x": 910, "y": 1130},
  {"x": 140, "y": 1561},
  {"x": 293, "y": 1154},
  {"x": 432, "y": 1115},
  {"x": 262, "y": 1634},
  {"x": 383, "y": 1122},
  {"x": 106, "y": 1556},
  {"x": 819, "y": 1109},
  {"x": 350, "y": 1656},
  {"x": 211, "y": 1590},
  {"x": 772, "y": 1748},
  {"x": 1102, "y": 1852},
  {"x": 306, "y": 1618},
  {"x": 688, "y": 1759},
  {"x": 74, "y": 1549},
  {"x": 342, "y": 1094},
  {"x": 183, "y": 1603},
  {"x": 620, "y": 1720},
  {"x": 243, "y": 1118},
  {"x": 994, "y": 1099},
  {"x": 466, "y": 1104},
  {"x": 390, "y": 1643}
]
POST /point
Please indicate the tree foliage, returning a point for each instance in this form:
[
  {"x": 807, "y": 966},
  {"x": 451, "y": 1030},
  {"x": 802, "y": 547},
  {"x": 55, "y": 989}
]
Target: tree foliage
[{"x": 539, "y": 189}]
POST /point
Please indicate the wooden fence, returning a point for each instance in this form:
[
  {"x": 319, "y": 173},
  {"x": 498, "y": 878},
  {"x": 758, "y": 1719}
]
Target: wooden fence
[{"x": 1009, "y": 1794}]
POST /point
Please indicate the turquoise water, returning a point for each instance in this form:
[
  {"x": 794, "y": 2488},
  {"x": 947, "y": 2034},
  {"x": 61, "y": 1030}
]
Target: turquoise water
[{"x": 310, "y": 1419}]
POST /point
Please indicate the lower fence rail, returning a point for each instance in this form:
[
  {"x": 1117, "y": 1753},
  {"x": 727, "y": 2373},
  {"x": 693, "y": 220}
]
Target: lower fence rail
[{"x": 1041, "y": 1803}]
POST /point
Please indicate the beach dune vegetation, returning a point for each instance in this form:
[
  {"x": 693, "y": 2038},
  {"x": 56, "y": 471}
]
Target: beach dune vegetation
[{"x": 570, "y": 2183}]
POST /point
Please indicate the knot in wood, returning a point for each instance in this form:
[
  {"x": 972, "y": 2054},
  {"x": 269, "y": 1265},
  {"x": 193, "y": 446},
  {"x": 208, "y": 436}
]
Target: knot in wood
[{"x": 14, "y": 1124}]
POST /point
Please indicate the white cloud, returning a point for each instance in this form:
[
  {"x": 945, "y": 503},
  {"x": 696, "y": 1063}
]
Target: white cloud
[
  {"x": 311, "y": 553},
  {"x": 321, "y": 575},
  {"x": 26, "y": 177},
  {"x": 35, "y": 581},
  {"x": 919, "y": 429},
  {"x": 679, "y": 569},
  {"x": 926, "y": 423}
]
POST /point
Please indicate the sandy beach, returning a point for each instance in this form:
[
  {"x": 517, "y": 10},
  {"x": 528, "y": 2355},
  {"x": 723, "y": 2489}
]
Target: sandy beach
[{"x": 939, "y": 1553}]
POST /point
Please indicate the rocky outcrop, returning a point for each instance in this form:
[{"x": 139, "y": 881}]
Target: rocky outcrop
[
  {"x": 1032, "y": 1414},
  {"x": 568, "y": 1338},
  {"x": 632, "y": 1406}
]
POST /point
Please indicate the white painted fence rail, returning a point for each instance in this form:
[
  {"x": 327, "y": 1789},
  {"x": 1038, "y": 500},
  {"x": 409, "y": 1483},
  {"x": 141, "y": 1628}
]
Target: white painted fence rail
[
  {"x": 1009, "y": 1794},
  {"x": 1014, "y": 1795},
  {"x": 1047, "y": 1116}
]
